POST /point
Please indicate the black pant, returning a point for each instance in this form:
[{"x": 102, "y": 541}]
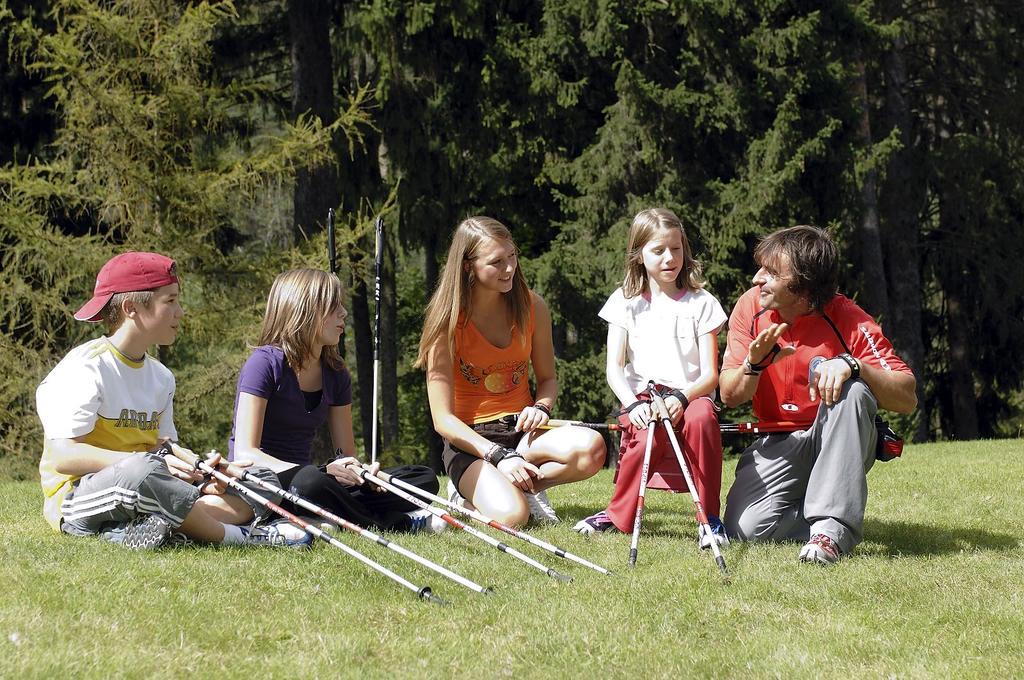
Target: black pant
[{"x": 361, "y": 505}]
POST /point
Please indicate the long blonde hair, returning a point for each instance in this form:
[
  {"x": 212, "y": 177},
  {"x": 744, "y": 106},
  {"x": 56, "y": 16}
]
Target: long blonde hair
[
  {"x": 644, "y": 226},
  {"x": 454, "y": 287},
  {"x": 299, "y": 301}
]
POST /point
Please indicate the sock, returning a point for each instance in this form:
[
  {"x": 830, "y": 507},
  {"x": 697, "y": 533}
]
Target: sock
[{"x": 233, "y": 535}]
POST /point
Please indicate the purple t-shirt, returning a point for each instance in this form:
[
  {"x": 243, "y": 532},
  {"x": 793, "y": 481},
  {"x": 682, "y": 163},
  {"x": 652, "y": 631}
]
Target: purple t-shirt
[{"x": 288, "y": 428}]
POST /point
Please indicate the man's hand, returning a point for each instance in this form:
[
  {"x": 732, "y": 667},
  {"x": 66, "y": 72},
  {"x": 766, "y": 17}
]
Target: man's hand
[
  {"x": 762, "y": 345},
  {"x": 827, "y": 380},
  {"x": 519, "y": 472}
]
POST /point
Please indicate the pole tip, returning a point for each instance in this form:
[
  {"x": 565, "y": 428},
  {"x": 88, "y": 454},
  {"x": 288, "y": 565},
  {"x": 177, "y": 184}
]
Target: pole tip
[
  {"x": 564, "y": 578},
  {"x": 426, "y": 594}
]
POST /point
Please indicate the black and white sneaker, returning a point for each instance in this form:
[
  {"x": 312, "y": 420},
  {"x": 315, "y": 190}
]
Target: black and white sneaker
[
  {"x": 146, "y": 532},
  {"x": 597, "y": 523}
]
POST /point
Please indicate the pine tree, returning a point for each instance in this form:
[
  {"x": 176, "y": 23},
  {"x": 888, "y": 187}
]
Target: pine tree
[{"x": 151, "y": 154}]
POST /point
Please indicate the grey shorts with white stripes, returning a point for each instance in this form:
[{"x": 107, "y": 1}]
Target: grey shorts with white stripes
[{"x": 138, "y": 485}]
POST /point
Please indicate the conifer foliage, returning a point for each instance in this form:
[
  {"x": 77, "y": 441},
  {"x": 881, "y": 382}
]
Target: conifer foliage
[
  {"x": 151, "y": 154},
  {"x": 167, "y": 126}
]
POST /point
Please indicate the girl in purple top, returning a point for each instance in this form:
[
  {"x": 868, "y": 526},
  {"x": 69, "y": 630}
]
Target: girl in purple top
[{"x": 293, "y": 382}]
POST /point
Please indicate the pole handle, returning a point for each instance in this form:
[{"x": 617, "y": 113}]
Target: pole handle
[
  {"x": 193, "y": 459},
  {"x": 659, "y": 403}
]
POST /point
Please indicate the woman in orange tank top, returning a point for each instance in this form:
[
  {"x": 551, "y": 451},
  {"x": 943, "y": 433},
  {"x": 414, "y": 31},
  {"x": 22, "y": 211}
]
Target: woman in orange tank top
[{"x": 483, "y": 332}]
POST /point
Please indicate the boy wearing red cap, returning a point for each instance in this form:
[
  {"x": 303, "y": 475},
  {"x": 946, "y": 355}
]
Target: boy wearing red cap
[{"x": 107, "y": 411}]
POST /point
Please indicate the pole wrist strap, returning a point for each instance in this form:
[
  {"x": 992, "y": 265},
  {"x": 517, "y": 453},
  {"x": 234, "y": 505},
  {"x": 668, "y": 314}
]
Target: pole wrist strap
[
  {"x": 851, "y": 362},
  {"x": 755, "y": 369},
  {"x": 678, "y": 394},
  {"x": 498, "y": 453},
  {"x": 629, "y": 409}
]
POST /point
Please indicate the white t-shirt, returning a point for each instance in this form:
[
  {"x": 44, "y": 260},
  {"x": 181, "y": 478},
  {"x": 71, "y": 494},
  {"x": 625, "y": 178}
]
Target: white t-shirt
[
  {"x": 662, "y": 335},
  {"x": 109, "y": 400}
]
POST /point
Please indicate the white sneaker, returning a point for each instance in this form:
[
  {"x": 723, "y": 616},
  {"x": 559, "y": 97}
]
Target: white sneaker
[
  {"x": 328, "y": 527},
  {"x": 424, "y": 521},
  {"x": 821, "y": 549},
  {"x": 540, "y": 508},
  {"x": 717, "y": 534},
  {"x": 279, "y": 534}
]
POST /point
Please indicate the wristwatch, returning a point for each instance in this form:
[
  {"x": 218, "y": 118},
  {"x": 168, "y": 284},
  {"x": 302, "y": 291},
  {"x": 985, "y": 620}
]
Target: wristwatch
[{"x": 851, "y": 362}]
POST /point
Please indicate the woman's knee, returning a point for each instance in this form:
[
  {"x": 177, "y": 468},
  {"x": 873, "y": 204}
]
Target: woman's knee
[
  {"x": 514, "y": 518},
  {"x": 591, "y": 455},
  {"x": 497, "y": 498},
  {"x": 510, "y": 509},
  {"x": 310, "y": 481}
]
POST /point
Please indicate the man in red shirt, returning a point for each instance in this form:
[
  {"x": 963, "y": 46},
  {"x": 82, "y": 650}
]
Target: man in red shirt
[{"x": 807, "y": 354}]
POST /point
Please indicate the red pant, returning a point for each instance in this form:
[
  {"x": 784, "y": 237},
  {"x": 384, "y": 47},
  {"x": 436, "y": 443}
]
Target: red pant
[{"x": 701, "y": 442}]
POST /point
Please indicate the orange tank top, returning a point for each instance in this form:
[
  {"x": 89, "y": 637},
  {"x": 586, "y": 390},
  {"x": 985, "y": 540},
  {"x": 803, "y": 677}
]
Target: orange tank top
[{"x": 491, "y": 381}]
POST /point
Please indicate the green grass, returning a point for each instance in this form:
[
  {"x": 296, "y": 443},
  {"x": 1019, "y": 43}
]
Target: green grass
[{"x": 936, "y": 589}]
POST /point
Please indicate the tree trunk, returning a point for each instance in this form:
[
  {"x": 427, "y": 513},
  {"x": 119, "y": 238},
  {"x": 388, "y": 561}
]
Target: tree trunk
[
  {"x": 316, "y": 190},
  {"x": 900, "y": 209},
  {"x": 431, "y": 437},
  {"x": 874, "y": 292},
  {"x": 963, "y": 399}
]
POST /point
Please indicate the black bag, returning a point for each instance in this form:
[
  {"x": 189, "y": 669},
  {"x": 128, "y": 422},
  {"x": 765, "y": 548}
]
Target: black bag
[{"x": 889, "y": 444}]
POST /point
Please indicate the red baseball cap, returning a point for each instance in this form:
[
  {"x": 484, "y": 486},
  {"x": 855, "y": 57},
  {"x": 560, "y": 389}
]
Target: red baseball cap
[{"x": 127, "y": 273}]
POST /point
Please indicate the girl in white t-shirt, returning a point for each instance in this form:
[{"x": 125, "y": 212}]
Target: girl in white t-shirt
[{"x": 662, "y": 326}]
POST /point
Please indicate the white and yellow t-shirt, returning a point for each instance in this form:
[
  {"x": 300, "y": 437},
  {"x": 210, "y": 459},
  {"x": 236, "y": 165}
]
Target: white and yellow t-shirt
[{"x": 109, "y": 400}]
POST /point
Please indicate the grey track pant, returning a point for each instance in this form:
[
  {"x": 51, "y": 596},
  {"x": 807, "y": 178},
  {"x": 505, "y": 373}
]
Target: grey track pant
[
  {"x": 102, "y": 502},
  {"x": 791, "y": 486}
]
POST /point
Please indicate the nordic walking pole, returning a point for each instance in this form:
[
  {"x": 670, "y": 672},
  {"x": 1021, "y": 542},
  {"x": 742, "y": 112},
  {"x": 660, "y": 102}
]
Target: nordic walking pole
[
  {"x": 437, "y": 512},
  {"x": 764, "y": 426},
  {"x": 493, "y": 523},
  {"x": 365, "y": 533},
  {"x": 555, "y": 423},
  {"x": 638, "y": 518},
  {"x": 332, "y": 262},
  {"x": 192, "y": 459},
  {"x": 378, "y": 259},
  {"x": 702, "y": 517}
]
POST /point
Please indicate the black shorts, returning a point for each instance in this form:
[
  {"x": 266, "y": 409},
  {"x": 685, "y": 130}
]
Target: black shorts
[{"x": 501, "y": 431}]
